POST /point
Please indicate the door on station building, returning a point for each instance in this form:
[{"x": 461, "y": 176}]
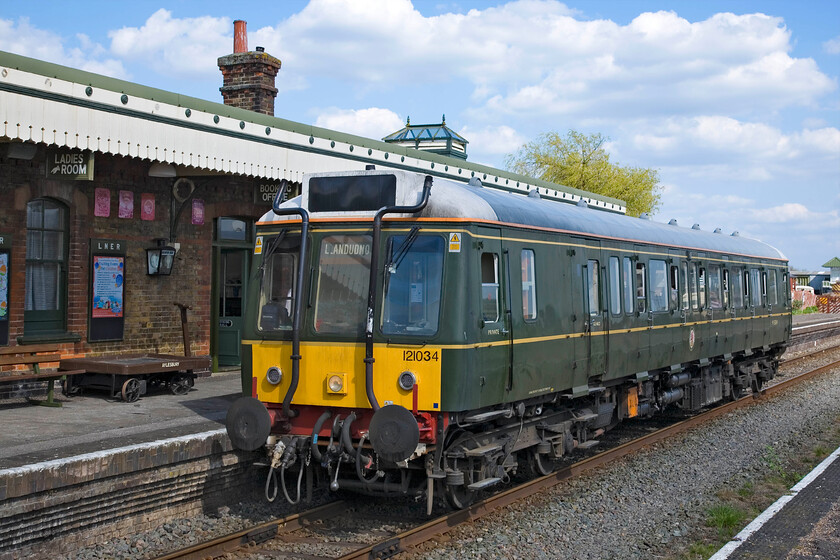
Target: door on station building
[{"x": 233, "y": 250}]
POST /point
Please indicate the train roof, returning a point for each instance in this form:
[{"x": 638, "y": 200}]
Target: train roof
[{"x": 475, "y": 203}]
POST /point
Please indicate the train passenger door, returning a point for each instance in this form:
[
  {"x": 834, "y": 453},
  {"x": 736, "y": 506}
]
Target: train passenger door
[
  {"x": 495, "y": 354},
  {"x": 588, "y": 287}
]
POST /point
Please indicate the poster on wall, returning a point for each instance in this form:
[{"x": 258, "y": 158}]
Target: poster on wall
[
  {"x": 107, "y": 290},
  {"x": 5, "y": 274},
  {"x": 126, "y": 209},
  {"x": 108, "y": 274}
]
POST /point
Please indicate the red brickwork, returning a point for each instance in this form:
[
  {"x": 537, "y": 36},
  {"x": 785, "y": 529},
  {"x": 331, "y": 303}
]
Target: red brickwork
[{"x": 248, "y": 80}]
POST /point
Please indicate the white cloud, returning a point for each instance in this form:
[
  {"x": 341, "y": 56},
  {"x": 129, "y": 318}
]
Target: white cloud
[
  {"x": 176, "y": 46},
  {"x": 371, "y": 123},
  {"x": 492, "y": 140},
  {"x": 24, "y": 39},
  {"x": 832, "y": 46}
]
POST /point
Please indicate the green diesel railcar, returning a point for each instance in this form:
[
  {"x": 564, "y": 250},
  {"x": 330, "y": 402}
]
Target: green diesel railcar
[{"x": 432, "y": 334}]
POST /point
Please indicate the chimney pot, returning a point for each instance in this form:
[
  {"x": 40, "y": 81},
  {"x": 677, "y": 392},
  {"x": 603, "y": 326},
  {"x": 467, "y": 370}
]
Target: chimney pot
[
  {"x": 260, "y": 49},
  {"x": 240, "y": 36}
]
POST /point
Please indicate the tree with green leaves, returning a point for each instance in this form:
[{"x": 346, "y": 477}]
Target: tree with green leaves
[{"x": 580, "y": 161}]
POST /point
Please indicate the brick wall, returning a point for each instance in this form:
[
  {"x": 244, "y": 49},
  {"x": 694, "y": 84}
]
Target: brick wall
[{"x": 152, "y": 322}]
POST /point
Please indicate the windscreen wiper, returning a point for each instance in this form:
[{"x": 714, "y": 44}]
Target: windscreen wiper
[{"x": 392, "y": 265}]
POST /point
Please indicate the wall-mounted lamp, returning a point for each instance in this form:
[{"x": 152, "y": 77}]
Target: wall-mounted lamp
[{"x": 159, "y": 259}]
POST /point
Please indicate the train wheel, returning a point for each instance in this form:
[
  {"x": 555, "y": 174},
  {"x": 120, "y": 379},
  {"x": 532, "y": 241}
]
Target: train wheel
[
  {"x": 181, "y": 383},
  {"x": 459, "y": 496},
  {"x": 131, "y": 390},
  {"x": 540, "y": 463}
]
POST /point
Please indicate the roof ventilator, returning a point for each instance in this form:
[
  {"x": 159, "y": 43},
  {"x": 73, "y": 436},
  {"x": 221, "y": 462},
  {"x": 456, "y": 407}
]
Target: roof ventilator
[
  {"x": 534, "y": 194},
  {"x": 673, "y": 222},
  {"x": 695, "y": 226}
]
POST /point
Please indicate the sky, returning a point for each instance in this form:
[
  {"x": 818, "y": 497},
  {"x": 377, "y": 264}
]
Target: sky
[{"x": 735, "y": 103}]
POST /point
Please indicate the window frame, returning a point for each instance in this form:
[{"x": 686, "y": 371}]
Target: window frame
[
  {"x": 529, "y": 287},
  {"x": 496, "y": 286},
  {"x": 38, "y": 322},
  {"x": 615, "y": 286}
]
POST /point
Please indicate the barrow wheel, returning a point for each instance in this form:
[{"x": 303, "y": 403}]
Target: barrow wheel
[
  {"x": 131, "y": 390},
  {"x": 181, "y": 383}
]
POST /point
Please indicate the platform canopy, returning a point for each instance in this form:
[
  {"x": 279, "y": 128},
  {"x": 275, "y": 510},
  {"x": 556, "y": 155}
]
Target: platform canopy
[{"x": 45, "y": 103}]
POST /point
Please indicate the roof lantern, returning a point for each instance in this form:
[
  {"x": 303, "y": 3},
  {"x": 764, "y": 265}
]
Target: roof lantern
[{"x": 435, "y": 138}]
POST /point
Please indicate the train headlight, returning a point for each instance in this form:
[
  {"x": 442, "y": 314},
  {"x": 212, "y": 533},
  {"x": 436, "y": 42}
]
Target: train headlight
[
  {"x": 407, "y": 380},
  {"x": 335, "y": 383},
  {"x": 274, "y": 375}
]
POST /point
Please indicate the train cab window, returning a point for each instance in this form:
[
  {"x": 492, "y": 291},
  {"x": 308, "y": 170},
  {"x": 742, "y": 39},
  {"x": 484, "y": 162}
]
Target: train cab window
[
  {"x": 593, "y": 287},
  {"x": 755, "y": 287},
  {"x": 641, "y": 288},
  {"x": 615, "y": 287},
  {"x": 715, "y": 301},
  {"x": 701, "y": 287},
  {"x": 684, "y": 295},
  {"x": 277, "y": 285},
  {"x": 490, "y": 287},
  {"x": 343, "y": 274},
  {"x": 658, "y": 286},
  {"x": 627, "y": 283},
  {"x": 725, "y": 288},
  {"x": 772, "y": 294},
  {"x": 737, "y": 289},
  {"x": 413, "y": 282},
  {"x": 529, "y": 285},
  {"x": 674, "y": 287}
]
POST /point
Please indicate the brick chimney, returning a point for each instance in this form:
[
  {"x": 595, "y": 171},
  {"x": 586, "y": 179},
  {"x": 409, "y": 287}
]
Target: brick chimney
[{"x": 248, "y": 77}]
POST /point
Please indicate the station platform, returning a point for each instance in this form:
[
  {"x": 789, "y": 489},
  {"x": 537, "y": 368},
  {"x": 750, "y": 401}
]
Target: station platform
[
  {"x": 804, "y": 523},
  {"x": 93, "y": 422}
]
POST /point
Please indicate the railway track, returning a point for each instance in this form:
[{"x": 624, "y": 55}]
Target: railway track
[{"x": 335, "y": 530}]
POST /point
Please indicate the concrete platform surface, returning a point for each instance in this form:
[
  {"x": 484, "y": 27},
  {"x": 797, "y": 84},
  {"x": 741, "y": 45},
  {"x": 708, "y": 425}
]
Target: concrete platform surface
[
  {"x": 805, "y": 523},
  {"x": 94, "y": 422}
]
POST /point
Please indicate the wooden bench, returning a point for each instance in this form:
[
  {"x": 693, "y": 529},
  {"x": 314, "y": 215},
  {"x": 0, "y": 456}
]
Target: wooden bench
[{"x": 34, "y": 355}]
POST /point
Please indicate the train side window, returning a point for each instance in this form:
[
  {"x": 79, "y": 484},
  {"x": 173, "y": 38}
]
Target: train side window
[
  {"x": 772, "y": 293},
  {"x": 593, "y": 286},
  {"x": 658, "y": 286},
  {"x": 675, "y": 287},
  {"x": 529, "y": 286},
  {"x": 737, "y": 289},
  {"x": 725, "y": 288},
  {"x": 277, "y": 292},
  {"x": 715, "y": 301},
  {"x": 692, "y": 282},
  {"x": 701, "y": 286},
  {"x": 755, "y": 287},
  {"x": 490, "y": 287},
  {"x": 746, "y": 287},
  {"x": 627, "y": 279},
  {"x": 615, "y": 287},
  {"x": 685, "y": 285},
  {"x": 641, "y": 291}
]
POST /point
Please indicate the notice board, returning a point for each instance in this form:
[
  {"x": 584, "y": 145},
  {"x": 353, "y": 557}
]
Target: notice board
[{"x": 106, "y": 320}]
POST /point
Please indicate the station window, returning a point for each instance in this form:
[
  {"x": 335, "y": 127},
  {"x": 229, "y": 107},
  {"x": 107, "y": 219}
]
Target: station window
[
  {"x": 593, "y": 287},
  {"x": 627, "y": 280},
  {"x": 701, "y": 286},
  {"x": 615, "y": 287},
  {"x": 641, "y": 291},
  {"x": 737, "y": 289},
  {"x": 490, "y": 287},
  {"x": 674, "y": 286},
  {"x": 658, "y": 286},
  {"x": 529, "y": 286},
  {"x": 46, "y": 267},
  {"x": 715, "y": 301},
  {"x": 685, "y": 301}
]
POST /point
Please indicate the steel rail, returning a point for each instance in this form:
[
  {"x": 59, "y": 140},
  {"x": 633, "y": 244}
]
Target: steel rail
[
  {"x": 451, "y": 520},
  {"x": 422, "y": 533}
]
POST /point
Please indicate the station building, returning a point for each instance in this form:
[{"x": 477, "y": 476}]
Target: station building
[{"x": 119, "y": 200}]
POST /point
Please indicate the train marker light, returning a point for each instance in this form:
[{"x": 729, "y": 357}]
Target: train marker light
[
  {"x": 335, "y": 383},
  {"x": 274, "y": 375}
]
